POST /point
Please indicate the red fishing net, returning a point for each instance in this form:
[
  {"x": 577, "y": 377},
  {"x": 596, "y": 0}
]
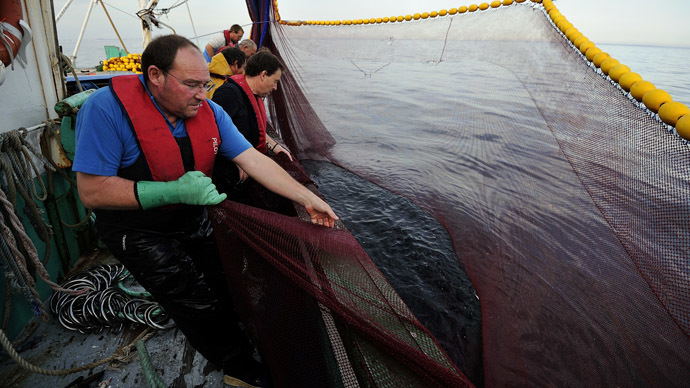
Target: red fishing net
[
  {"x": 566, "y": 202},
  {"x": 322, "y": 313}
]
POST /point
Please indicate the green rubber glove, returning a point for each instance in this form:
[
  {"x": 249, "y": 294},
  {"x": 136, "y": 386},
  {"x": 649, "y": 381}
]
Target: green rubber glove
[{"x": 193, "y": 188}]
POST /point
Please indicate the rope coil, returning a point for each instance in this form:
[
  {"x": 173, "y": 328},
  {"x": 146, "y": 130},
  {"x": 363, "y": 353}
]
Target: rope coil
[{"x": 107, "y": 303}]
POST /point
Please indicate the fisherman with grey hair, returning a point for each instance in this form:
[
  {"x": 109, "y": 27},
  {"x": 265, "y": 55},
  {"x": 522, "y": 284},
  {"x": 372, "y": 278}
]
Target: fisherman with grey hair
[{"x": 248, "y": 47}]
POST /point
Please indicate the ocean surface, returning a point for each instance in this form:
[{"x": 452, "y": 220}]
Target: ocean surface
[
  {"x": 668, "y": 68},
  {"x": 415, "y": 254}
]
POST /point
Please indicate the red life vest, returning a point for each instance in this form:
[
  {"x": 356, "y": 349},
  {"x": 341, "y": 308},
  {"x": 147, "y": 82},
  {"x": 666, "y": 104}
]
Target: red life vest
[
  {"x": 156, "y": 141},
  {"x": 259, "y": 110},
  {"x": 228, "y": 42}
]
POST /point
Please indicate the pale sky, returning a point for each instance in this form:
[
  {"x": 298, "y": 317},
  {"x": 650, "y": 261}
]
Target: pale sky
[{"x": 602, "y": 21}]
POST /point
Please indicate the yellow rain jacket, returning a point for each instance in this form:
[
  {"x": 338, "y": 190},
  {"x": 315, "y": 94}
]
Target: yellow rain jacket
[{"x": 219, "y": 69}]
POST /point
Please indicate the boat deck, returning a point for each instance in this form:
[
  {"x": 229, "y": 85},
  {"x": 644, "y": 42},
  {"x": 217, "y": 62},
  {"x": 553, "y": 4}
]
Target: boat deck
[{"x": 49, "y": 346}]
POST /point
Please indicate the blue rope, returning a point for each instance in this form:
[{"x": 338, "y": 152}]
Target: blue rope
[{"x": 265, "y": 17}]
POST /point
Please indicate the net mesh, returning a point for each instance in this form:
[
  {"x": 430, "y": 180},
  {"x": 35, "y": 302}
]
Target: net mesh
[
  {"x": 323, "y": 314},
  {"x": 565, "y": 200}
]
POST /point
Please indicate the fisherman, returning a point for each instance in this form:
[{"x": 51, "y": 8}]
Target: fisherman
[
  {"x": 145, "y": 148},
  {"x": 248, "y": 47},
  {"x": 241, "y": 96},
  {"x": 228, "y": 62},
  {"x": 221, "y": 40}
]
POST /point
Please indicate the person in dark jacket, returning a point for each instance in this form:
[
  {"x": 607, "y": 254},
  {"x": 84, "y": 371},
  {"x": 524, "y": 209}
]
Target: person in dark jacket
[{"x": 242, "y": 97}]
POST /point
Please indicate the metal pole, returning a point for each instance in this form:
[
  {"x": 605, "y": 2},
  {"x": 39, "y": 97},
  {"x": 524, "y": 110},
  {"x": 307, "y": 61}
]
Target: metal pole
[
  {"x": 145, "y": 27},
  {"x": 62, "y": 11},
  {"x": 114, "y": 28},
  {"x": 192, "y": 21},
  {"x": 81, "y": 33}
]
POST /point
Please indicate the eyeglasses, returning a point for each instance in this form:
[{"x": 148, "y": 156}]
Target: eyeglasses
[{"x": 194, "y": 85}]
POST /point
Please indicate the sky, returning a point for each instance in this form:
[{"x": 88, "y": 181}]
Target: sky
[{"x": 640, "y": 22}]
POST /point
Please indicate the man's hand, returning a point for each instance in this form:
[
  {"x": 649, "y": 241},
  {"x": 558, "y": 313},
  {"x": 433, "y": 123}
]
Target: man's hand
[
  {"x": 278, "y": 148},
  {"x": 195, "y": 188},
  {"x": 192, "y": 188},
  {"x": 320, "y": 213}
]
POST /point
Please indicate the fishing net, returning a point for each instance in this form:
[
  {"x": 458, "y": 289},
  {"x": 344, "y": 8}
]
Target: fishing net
[
  {"x": 566, "y": 202},
  {"x": 322, "y": 313}
]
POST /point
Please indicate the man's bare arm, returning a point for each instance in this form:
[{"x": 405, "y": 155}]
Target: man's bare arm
[
  {"x": 209, "y": 50},
  {"x": 106, "y": 192},
  {"x": 273, "y": 177},
  {"x": 111, "y": 192}
]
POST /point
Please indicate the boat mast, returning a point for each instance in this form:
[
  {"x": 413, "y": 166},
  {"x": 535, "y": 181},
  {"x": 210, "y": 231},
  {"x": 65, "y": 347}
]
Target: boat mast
[
  {"x": 86, "y": 20},
  {"x": 62, "y": 11},
  {"x": 83, "y": 28},
  {"x": 145, "y": 5}
]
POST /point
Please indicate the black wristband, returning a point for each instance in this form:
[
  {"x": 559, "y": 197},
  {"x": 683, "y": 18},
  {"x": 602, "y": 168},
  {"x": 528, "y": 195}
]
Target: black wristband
[{"x": 136, "y": 195}]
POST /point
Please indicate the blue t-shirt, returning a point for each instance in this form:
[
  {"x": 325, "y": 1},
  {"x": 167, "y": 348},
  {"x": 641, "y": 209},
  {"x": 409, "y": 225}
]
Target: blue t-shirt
[{"x": 106, "y": 142}]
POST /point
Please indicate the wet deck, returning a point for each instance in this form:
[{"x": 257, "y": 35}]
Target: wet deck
[
  {"x": 52, "y": 347},
  {"x": 49, "y": 346}
]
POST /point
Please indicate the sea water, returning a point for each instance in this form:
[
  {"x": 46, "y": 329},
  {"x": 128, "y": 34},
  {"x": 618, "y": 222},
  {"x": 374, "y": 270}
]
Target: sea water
[
  {"x": 668, "y": 68},
  {"x": 91, "y": 52},
  {"x": 415, "y": 254}
]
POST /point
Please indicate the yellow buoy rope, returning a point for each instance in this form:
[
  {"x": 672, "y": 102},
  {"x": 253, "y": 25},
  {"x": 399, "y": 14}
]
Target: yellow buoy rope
[{"x": 620, "y": 74}]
